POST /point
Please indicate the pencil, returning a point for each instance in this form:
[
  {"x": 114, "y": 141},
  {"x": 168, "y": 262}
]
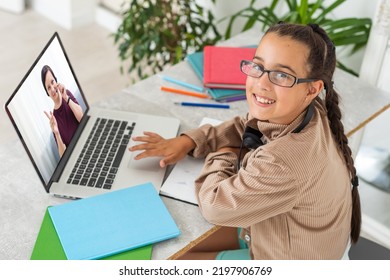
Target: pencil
[
  {"x": 184, "y": 92},
  {"x": 181, "y": 83}
]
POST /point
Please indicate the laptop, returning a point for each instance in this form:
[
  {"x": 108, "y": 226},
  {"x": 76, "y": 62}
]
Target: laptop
[{"x": 77, "y": 150}]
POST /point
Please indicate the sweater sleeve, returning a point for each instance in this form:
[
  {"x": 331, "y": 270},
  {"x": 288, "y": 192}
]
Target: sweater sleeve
[
  {"x": 265, "y": 187},
  {"x": 210, "y": 138}
]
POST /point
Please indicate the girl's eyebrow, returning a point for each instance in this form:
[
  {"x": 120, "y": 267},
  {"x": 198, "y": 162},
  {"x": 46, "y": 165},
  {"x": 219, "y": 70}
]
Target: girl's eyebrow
[{"x": 277, "y": 65}]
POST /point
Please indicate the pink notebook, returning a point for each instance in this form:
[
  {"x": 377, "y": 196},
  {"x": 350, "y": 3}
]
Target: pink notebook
[{"x": 222, "y": 66}]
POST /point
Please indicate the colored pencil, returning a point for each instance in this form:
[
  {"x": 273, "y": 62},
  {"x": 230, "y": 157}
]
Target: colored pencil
[
  {"x": 184, "y": 92},
  {"x": 181, "y": 83}
]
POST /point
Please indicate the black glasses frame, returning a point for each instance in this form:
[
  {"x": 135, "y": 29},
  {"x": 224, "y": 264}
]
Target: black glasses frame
[{"x": 263, "y": 70}]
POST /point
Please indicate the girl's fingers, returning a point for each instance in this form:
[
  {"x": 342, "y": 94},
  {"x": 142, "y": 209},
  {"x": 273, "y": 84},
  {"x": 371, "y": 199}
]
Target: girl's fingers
[
  {"x": 141, "y": 147},
  {"x": 148, "y": 137}
]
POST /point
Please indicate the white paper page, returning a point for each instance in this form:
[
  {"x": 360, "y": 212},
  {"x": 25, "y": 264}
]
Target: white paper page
[{"x": 180, "y": 182}]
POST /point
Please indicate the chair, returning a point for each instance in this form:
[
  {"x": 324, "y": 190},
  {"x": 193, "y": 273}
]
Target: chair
[{"x": 366, "y": 249}]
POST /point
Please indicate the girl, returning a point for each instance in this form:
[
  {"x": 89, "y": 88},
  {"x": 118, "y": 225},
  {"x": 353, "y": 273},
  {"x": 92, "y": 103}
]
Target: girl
[{"x": 282, "y": 174}]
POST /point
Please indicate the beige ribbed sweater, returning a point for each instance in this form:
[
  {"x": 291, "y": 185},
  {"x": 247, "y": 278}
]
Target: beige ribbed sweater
[{"x": 292, "y": 195}]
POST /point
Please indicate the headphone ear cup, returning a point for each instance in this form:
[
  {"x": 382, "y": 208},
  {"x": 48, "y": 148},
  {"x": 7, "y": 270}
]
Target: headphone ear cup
[{"x": 251, "y": 138}]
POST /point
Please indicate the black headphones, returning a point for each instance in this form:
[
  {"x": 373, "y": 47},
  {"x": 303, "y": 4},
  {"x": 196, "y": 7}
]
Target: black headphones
[{"x": 251, "y": 139}]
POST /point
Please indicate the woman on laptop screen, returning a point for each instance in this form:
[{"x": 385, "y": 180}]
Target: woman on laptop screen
[
  {"x": 67, "y": 112},
  {"x": 281, "y": 175}
]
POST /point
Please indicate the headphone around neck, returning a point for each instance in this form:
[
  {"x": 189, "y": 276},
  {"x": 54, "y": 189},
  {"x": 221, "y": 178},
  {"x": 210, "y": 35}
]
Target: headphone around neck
[{"x": 251, "y": 139}]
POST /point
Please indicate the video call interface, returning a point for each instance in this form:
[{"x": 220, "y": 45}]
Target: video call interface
[{"x": 47, "y": 108}]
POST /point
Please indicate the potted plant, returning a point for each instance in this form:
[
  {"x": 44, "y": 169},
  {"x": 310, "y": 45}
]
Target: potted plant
[
  {"x": 156, "y": 33},
  {"x": 351, "y": 32}
]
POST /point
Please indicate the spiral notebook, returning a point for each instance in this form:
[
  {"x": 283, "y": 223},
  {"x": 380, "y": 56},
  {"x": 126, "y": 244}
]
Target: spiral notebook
[{"x": 111, "y": 223}]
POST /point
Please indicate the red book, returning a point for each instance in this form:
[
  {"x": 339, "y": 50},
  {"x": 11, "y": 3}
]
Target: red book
[{"x": 222, "y": 66}]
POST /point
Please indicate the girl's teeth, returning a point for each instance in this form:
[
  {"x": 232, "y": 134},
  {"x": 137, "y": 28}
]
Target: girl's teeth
[{"x": 264, "y": 101}]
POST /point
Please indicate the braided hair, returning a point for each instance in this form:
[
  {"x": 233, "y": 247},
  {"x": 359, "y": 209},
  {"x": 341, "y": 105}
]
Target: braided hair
[{"x": 322, "y": 64}]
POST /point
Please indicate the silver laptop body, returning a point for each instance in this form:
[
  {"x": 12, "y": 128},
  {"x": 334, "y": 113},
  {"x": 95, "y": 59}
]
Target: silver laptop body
[{"x": 56, "y": 171}]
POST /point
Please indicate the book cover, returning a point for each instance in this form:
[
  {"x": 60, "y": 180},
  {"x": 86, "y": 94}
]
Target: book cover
[
  {"x": 222, "y": 66},
  {"x": 111, "y": 223},
  {"x": 219, "y": 94},
  {"x": 48, "y": 246}
]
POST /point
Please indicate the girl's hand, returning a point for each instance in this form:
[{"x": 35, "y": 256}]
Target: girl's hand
[{"x": 171, "y": 150}]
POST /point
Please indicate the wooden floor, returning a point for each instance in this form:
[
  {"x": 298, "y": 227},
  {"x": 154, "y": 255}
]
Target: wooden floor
[{"x": 91, "y": 51}]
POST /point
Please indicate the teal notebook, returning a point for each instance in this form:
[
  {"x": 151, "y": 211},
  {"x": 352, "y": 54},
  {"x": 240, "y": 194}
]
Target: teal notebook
[
  {"x": 48, "y": 246},
  {"x": 111, "y": 223},
  {"x": 218, "y": 94}
]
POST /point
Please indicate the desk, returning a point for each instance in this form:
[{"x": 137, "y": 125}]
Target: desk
[{"x": 23, "y": 200}]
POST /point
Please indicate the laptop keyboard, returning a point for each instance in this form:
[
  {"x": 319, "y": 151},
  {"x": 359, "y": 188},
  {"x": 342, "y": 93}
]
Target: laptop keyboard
[{"x": 99, "y": 160}]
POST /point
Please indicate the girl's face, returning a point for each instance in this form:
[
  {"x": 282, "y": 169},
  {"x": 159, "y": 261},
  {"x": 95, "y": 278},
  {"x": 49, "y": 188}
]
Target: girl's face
[
  {"x": 51, "y": 85},
  {"x": 273, "y": 103}
]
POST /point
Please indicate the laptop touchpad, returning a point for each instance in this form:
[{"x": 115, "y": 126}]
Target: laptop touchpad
[{"x": 149, "y": 164}]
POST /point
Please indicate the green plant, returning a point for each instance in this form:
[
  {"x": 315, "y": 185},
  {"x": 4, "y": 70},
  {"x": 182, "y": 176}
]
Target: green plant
[
  {"x": 351, "y": 32},
  {"x": 156, "y": 33}
]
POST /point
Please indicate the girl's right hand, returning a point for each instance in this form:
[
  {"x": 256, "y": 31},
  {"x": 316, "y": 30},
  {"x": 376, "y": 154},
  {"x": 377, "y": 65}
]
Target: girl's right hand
[{"x": 171, "y": 150}]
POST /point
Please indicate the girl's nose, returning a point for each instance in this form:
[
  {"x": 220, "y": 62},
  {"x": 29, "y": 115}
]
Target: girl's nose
[{"x": 263, "y": 81}]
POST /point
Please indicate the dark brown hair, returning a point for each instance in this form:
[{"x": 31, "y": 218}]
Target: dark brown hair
[
  {"x": 44, "y": 71},
  {"x": 322, "y": 64}
]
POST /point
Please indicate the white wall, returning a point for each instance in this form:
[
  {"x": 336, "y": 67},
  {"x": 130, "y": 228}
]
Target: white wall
[
  {"x": 360, "y": 9},
  {"x": 15, "y": 6},
  {"x": 66, "y": 13}
]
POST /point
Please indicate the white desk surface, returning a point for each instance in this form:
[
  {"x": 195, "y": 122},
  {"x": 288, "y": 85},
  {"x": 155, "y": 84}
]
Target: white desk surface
[{"x": 23, "y": 199}]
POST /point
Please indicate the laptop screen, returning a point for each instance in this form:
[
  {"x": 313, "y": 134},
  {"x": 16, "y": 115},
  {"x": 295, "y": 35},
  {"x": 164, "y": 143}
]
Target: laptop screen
[{"x": 46, "y": 109}]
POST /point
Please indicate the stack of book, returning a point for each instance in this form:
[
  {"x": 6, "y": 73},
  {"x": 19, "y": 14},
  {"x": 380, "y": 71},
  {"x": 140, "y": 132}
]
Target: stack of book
[
  {"x": 219, "y": 69},
  {"x": 117, "y": 225}
]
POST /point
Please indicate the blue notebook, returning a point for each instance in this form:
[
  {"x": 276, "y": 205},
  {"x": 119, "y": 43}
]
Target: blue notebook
[{"x": 111, "y": 223}]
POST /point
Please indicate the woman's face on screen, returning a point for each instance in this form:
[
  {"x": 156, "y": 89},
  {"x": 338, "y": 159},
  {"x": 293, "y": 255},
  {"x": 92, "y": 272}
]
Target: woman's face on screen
[{"x": 51, "y": 86}]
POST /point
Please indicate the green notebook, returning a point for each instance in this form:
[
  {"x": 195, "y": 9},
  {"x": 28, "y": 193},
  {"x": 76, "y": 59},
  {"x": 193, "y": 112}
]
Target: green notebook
[{"x": 48, "y": 246}]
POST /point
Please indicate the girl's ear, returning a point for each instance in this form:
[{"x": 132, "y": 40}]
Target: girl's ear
[{"x": 315, "y": 89}]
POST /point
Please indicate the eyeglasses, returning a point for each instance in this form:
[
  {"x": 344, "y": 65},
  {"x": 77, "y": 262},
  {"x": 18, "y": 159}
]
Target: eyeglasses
[{"x": 278, "y": 78}]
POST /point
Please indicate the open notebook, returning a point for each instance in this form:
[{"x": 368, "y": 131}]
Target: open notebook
[{"x": 180, "y": 182}]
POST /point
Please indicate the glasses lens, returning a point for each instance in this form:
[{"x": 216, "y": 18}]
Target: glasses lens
[
  {"x": 251, "y": 69},
  {"x": 281, "y": 78}
]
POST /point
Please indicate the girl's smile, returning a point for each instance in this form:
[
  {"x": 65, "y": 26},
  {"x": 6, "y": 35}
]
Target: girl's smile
[
  {"x": 268, "y": 101},
  {"x": 263, "y": 101}
]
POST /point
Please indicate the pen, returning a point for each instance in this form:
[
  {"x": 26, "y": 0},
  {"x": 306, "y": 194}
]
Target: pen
[
  {"x": 184, "y": 92},
  {"x": 184, "y": 84},
  {"x": 222, "y": 106}
]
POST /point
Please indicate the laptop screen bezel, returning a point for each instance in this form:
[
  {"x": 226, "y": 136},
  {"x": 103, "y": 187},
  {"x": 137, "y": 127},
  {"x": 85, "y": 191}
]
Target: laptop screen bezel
[{"x": 68, "y": 151}]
